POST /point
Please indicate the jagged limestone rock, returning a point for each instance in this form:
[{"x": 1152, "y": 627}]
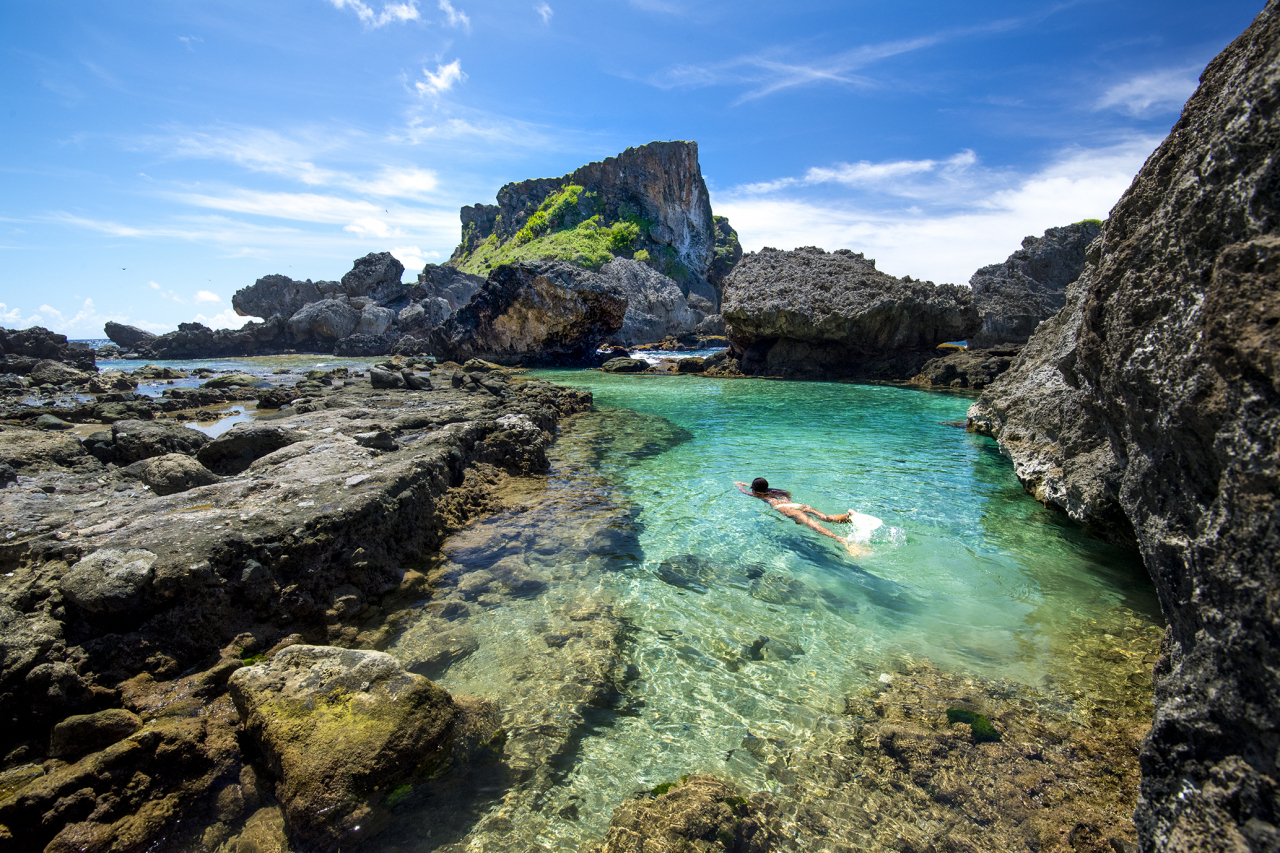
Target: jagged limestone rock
[{"x": 1149, "y": 407}]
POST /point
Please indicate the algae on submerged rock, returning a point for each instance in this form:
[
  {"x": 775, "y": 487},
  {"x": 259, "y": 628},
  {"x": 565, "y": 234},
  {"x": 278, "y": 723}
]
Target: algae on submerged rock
[{"x": 343, "y": 730}]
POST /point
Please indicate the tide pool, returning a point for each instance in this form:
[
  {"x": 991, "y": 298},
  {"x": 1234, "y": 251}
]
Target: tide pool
[{"x": 745, "y": 633}]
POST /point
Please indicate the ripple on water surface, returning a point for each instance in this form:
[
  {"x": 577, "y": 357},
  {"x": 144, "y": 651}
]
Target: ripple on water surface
[{"x": 733, "y": 625}]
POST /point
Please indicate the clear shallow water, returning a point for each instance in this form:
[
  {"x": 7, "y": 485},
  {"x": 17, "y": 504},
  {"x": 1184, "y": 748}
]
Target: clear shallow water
[{"x": 742, "y": 627}]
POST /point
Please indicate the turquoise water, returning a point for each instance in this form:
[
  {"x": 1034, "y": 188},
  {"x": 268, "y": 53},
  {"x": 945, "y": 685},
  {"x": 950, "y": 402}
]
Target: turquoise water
[
  {"x": 741, "y": 627},
  {"x": 968, "y": 569}
]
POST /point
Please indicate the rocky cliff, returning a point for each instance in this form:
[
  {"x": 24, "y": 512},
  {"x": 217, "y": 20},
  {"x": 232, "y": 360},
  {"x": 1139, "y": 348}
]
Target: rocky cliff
[
  {"x": 1031, "y": 285},
  {"x": 1150, "y": 406},
  {"x": 648, "y": 203},
  {"x": 808, "y": 312}
]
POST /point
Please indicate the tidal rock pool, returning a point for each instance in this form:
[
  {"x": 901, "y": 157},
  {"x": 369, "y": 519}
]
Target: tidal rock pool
[{"x": 640, "y": 620}]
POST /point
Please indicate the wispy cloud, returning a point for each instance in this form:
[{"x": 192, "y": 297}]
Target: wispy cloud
[
  {"x": 455, "y": 17},
  {"x": 207, "y": 296},
  {"x": 1151, "y": 93},
  {"x": 950, "y": 223},
  {"x": 293, "y": 158},
  {"x": 892, "y": 176},
  {"x": 391, "y": 12},
  {"x": 187, "y": 41},
  {"x": 444, "y": 78},
  {"x": 545, "y": 12},
  {"x": 770, "y": 71}
]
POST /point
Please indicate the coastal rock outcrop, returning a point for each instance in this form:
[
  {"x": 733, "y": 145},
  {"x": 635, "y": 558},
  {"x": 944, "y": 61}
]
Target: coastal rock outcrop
[
  {"x": 128, "y": 338},
  {"x": 22, "y": 349},
  {"x": 808, "y": 312},
  {"x": 969, "y": 369},
  {"x": 1150, "y": 407},
  {"x": 546, "y": 314},
  {"x": 1031, "y": 285},
  {"x": 648, "y": 205},
  {"x": 116, "y": 598}
]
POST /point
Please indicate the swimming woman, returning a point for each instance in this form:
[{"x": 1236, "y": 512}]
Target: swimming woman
[{"x": 799, "y": 513}]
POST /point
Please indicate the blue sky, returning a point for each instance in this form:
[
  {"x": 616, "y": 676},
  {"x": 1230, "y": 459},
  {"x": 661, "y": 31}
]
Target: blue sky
[{"x": 157, "y": 156}]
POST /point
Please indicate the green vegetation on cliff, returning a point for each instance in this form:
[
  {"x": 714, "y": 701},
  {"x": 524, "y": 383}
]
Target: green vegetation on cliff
[{"x": 566, "y": 226}]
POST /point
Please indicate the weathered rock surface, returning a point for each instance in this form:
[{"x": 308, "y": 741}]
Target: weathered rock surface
[
  {"x": 1030, "y": 286},
  {"x": 274, "y": 295},
  {"x": 808, "y": 312},
  {"x": 242, "y": 445},
  {"x": 969, "y": 369},
  {"x": 175, "y": 472},
  {"x": 341, "y": 730},
  {"x": 534, "y": 315},
  {"x": 109, "y": 593},
  {"x": 22, "y": 349},
  {"x": 1150, "y": 406},
  {"x": 138, "y": 440},
  {"x": 83, "y": 733},
  {"x": 726, "y": 255},
  {"x": 656, "y": 307},
  {"x": 129, "y": 338},
  {"x": 328, "y": 319}
]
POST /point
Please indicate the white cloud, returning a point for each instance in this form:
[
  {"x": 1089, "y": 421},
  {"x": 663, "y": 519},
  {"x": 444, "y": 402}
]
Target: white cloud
[
  {"x": 153, "y": 285},
  {"x": 413, "y": 258},
  {"x": 207, "y": 296},
  {"x": 966, "y": 223},
  {"x": 227, "y": 319},
  {"x": 774, "y": 70},
  {"x": 403, "y": 183},
  {"x": 367, "y": 226},
  {"x": 442, "y": 80},
  {"x": 391, "y": 12},
  {"x": 12, "y": 318},
  {"x": 187, "y": 40},
  {"x": 545, "y": 12},
  {"x": 84, "y": 323},
  {"x": 1148, "y": 94},
  {"x": 456, "y": 17}
]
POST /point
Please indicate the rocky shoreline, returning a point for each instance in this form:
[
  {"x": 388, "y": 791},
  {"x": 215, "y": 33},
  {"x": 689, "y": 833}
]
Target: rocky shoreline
[{"x": 127, "y": 607}]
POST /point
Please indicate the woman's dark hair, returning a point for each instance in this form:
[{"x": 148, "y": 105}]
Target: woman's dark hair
[{"x": 759, "y": 484}]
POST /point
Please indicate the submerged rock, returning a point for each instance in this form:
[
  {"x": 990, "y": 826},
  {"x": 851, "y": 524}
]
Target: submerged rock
[
  {"x": 697, "y": 814},
  {"x": 1149, "y": 408},
  {"x": 342, "y": 730},
  {"x": 811, "y": 313}
]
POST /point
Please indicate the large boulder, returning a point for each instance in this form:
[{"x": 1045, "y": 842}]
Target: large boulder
[
  {"x": 326, "y": 320},
  {"x": 129, "y": 338},
  {"x": 375, "y": 276},
  {"x": 51, "y": 372},
  {"x": 546, "y": 314},
  {"x": 809, "y": 312},
  {"x": 1150, "y": 407},
  {"x": 1031, "y": 285},
  {"x": 137, "y": 440},
  {"x": 342, "y": 730},
  {"x": 278, "y": 294},
  {"x": 175, "y": 472},
  {"x": 375, "y": 321}
]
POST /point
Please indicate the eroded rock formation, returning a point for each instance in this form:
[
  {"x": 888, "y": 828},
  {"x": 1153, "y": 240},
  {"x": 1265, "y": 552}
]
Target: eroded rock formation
[
  {"x": 808, "y": 312},
  {"x": 1150, "y": 407},
  {"x": 537, "y": 315},
  {"x": 1031, "y": 285}
]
